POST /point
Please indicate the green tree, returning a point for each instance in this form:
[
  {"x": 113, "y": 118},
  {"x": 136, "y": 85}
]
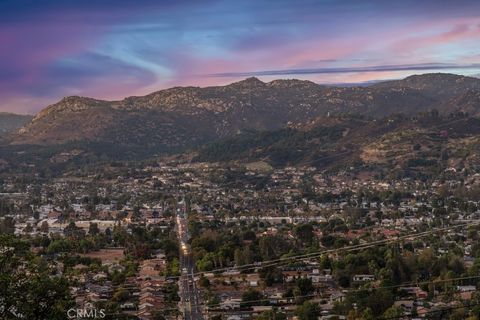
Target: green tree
[
  {"x": 379, "y": 301},
  {"x": 308, "y": 311},
  {"x": 44, "y": 227},
  {"x": 204, "y": 282},
  {"x": 71, "y": 230},
  {"x": 303, "y": 289},
  {"x": 7, "y": 225},
  {"x": 158, "y": 315},
  {"x": 249, "y": 296},
  {"x": 271, "y": 315},
  {"x": 28, "y": 228},
  {"x": 393, "y": 312},
  {"x": 305, "y": 232},
  {"x": 120, "y": 295},
  {"x": 238, "y": 257},
  {"x": 93, "y": 229},
  {"x": 458, "y": 314},
  {"x": 59, "y": 245},
  {"x": 368, "y": 314},
  {"x": 27, "y": 289}
]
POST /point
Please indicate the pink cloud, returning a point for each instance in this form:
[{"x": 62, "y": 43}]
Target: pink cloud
[{"x": 455, "y": 34}]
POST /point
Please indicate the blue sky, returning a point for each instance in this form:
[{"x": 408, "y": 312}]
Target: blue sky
[{"x": 111, "y": 49}]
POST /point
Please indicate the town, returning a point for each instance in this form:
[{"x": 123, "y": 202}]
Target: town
[
  {"x": 163, "y": 240},
  {"x": 239, "y": 160}
]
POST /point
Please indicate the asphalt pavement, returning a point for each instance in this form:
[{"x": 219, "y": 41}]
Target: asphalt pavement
[{"x": 190, "y": 296}]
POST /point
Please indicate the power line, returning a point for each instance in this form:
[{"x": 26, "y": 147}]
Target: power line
[
  {"x": 302, "y": 257},
  {"x": 328, "y": 251},
  {"x": 441, "y": 311},
  {"x": 317, "y": 295},
  {"x": 350, "y": 248},
  {"x": 353, "y": 290},
  {"x": 276, "y": 262}
]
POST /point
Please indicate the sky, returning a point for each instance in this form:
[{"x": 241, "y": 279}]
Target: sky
[{"x": 111, "y": 49}]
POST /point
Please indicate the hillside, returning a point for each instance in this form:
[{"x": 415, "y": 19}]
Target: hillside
[
  {"x": 10, "y": 122},
  {"x": 435, "y": 85},
  {"x": 184, "y": 117},
  {"x": 414, "y": 145}
]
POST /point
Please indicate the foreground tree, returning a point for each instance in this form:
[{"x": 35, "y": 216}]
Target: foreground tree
[{"x": 27, "y": 289}]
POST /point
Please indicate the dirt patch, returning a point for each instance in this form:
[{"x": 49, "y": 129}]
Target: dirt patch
[{"x": 107, "y": 255}]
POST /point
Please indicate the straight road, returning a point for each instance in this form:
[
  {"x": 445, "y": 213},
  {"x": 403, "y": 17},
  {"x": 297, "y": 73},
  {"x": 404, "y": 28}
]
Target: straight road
[{"x": 190, "y": 297}]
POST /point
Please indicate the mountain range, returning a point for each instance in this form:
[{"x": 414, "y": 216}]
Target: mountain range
[
  {"x": 247, "y": 119},
  {"x": 181, "y": 117}
]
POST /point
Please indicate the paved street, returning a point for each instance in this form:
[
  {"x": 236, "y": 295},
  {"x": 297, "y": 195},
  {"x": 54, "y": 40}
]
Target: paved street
[{"x": 189, "y": 293}]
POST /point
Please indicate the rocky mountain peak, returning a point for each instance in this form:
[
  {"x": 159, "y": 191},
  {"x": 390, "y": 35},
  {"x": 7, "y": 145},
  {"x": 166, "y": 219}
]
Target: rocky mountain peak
[
  {"x": 251, "y": 82},
  {"x": 292, "y": 83},
  {"x": 195, "y": 115}
]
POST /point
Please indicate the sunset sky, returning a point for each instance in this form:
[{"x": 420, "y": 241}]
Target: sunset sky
[{"x": 111, "y": 49}]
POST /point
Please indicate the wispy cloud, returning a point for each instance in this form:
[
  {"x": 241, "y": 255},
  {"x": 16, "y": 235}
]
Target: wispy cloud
[
  {"x": 114, "y": 48},
  {"x": 380, "y": 68}
]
